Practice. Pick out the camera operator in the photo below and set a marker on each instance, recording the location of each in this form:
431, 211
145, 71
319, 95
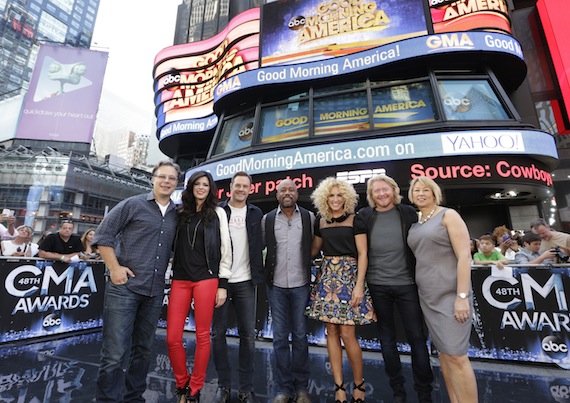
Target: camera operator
551, 238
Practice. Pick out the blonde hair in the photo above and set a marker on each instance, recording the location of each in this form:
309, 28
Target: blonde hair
430, 183
321, 193
389, 181
28, 229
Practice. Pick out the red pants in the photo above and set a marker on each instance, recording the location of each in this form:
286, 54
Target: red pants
181, 294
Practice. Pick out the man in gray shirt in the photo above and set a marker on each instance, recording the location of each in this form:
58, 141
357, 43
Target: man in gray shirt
390, 277
288, 233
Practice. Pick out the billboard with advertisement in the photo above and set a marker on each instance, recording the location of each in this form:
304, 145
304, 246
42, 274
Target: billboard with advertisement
185, 75
467, 15
63, 97
294, 32
521, 314
44, 298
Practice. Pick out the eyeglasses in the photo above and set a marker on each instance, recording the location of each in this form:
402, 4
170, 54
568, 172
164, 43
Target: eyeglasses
164, 177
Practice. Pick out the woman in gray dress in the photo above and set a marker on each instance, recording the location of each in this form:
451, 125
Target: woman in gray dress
440, 242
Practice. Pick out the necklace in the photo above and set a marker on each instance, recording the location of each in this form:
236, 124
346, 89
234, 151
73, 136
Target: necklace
421, 221
338, 219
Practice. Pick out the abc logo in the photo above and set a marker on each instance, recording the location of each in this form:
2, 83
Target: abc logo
246, 133
51, 322
452, 101
170, 79
554, 347
297, 22
560, 390
457, 104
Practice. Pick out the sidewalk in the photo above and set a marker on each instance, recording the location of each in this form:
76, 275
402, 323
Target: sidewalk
65, 370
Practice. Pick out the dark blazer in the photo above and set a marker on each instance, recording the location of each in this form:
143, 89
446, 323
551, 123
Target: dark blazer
253, 224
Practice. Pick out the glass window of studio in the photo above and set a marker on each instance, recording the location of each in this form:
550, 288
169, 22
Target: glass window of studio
285, 122
341, 114
470, 100
402, 105
338, 88
235, 133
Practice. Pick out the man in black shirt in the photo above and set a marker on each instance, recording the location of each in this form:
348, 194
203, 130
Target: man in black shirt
63, 245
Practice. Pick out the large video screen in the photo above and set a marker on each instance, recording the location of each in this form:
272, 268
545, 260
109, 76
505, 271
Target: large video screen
294, 32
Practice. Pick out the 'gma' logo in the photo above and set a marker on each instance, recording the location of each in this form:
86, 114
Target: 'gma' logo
449, 41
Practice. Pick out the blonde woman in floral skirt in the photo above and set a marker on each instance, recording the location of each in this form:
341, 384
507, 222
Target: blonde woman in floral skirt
340, 297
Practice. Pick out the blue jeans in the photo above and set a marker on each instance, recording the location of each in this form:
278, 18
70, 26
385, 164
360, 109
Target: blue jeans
242, 297
129, 326
288, 316
405, 297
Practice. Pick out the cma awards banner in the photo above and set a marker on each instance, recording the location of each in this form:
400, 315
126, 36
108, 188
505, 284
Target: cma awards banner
45, 298
521, 314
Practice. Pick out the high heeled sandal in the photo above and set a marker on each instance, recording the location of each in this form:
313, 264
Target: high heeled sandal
361, 388
193, 398
182, 394
336, 389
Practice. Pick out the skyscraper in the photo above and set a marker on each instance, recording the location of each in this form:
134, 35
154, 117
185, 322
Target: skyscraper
26, 24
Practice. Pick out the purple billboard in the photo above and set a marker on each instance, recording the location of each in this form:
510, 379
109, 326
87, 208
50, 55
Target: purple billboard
63, 97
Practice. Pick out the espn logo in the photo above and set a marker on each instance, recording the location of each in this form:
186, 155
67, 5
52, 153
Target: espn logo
360, 176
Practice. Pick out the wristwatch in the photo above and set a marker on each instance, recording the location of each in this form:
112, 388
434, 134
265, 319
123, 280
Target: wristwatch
462, 295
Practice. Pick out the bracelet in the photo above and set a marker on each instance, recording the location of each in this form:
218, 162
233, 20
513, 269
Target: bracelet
62, 258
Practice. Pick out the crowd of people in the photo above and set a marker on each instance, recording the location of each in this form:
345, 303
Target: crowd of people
539, 244
385, 260
63, 245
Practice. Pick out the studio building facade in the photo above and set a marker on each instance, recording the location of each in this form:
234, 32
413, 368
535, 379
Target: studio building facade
352, 88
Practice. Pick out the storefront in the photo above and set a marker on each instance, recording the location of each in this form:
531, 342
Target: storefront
347, 89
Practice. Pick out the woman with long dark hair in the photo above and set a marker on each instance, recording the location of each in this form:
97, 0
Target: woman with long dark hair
201, 268
89, 252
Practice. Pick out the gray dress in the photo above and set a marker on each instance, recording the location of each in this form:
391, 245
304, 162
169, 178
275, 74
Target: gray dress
436, 278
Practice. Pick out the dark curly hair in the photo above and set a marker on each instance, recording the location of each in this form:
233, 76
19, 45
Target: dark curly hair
188, 208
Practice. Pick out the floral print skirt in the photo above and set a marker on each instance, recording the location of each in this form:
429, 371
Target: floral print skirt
331, 293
